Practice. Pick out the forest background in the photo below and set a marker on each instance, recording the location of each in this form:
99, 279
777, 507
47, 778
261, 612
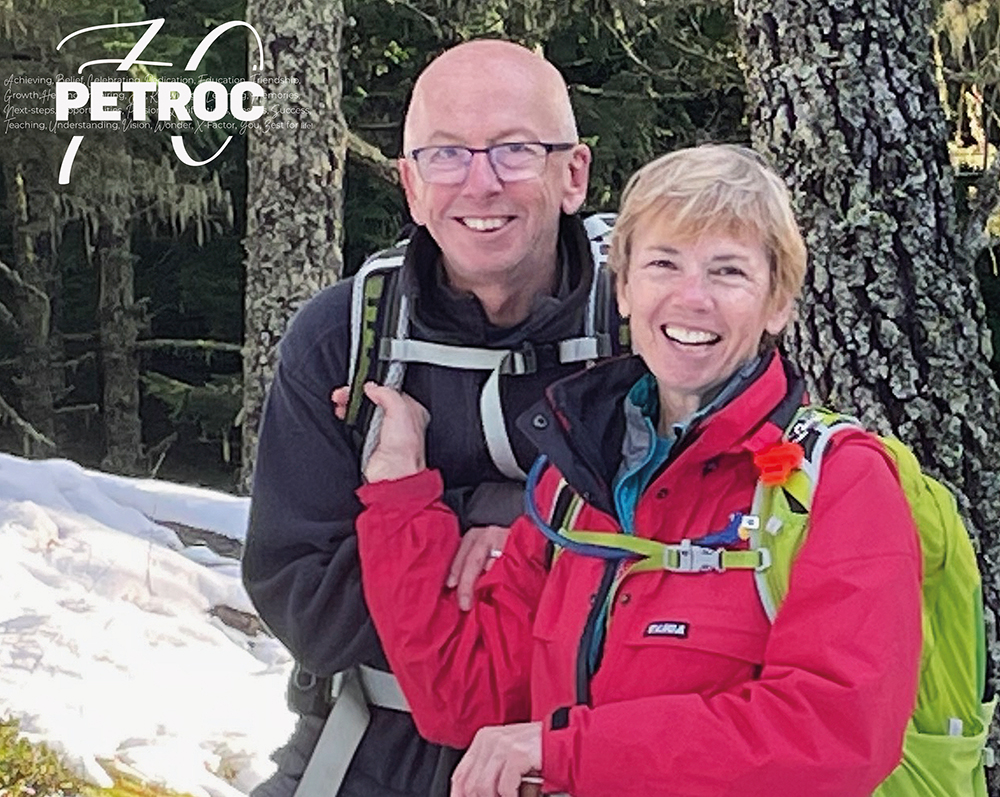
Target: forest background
140, 303
645, 77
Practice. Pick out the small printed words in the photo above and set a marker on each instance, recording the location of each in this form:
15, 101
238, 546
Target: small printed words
172, 100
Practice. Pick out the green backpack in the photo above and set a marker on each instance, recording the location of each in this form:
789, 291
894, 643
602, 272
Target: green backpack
944, 749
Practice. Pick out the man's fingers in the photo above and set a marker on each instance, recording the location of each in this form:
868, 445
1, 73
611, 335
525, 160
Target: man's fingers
398, 407
471, 570
458, 563
478, 551
385, 397
340, 398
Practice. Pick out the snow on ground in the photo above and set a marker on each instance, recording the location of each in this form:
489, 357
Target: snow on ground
107, 647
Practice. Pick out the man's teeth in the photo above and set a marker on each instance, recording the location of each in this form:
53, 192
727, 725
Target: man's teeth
483, 225
692, 336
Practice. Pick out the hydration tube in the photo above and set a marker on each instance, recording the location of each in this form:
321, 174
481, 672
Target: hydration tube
554, 536
736, 529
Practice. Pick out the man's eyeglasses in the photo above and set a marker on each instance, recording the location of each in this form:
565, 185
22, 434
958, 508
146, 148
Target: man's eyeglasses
511, 160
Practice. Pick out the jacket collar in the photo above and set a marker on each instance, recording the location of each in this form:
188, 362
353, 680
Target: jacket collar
580, 423
440, 313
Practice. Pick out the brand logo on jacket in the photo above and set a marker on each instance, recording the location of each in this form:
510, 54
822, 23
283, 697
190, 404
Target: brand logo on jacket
667, 628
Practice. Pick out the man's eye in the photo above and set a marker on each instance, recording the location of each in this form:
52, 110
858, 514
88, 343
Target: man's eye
446, 154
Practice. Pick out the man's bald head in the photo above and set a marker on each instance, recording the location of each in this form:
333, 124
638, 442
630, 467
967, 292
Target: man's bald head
498, 232
479, 73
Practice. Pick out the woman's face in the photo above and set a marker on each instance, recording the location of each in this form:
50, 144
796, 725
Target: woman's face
697, 309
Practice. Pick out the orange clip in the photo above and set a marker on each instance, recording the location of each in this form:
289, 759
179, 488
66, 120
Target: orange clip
777, 462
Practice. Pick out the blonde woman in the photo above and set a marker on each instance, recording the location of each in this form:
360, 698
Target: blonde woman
610, 682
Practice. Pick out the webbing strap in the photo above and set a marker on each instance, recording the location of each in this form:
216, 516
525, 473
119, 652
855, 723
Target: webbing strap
575, 350
495, 430
683, 557
382, 689
466, 357
408, 350
337, 743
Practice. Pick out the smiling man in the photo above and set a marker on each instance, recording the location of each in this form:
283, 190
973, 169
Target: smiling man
499, 271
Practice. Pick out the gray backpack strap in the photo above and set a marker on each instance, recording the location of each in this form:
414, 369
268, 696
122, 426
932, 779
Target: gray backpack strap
338, 740
495, 429
598, 228
354, 691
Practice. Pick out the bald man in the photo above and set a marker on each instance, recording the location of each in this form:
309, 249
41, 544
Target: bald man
493, 173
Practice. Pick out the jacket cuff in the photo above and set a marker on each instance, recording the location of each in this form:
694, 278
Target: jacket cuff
558, 736
421, 488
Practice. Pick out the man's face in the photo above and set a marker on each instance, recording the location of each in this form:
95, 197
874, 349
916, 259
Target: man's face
490, 231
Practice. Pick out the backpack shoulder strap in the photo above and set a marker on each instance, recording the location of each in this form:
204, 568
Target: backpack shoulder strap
784, 509
603, 333
375, 313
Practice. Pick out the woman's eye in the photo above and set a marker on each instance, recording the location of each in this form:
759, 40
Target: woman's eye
730, 271
668, 264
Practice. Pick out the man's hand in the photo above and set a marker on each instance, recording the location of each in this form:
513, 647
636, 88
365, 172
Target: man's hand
497, 759
400, 448
481, 546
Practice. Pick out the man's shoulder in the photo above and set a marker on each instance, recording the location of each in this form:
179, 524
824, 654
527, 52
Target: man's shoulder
318, 336
326, 313
321, 328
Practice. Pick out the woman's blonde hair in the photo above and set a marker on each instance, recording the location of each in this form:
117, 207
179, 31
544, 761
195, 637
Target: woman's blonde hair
710, 189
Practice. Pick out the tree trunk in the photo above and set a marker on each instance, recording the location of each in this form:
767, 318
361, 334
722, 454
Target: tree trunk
294, 202
40, 378
892, 325
119, 320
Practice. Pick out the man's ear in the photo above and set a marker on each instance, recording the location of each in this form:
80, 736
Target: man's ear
577, 176
410, 179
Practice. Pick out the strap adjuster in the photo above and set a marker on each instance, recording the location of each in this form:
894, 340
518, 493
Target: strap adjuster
694, 558
520, 362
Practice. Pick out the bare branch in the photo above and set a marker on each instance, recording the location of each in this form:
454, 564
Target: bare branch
176, 343
7, 317
432, 22
372, 155
14, 277
74, 408
7, 412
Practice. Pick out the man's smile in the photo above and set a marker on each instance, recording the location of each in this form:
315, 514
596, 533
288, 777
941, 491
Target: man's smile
484, 223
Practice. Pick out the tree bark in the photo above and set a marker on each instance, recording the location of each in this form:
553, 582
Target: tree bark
892, 326
40, 380
119, 323
294, 203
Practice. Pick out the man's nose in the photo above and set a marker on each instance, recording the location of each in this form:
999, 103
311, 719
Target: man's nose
482, 177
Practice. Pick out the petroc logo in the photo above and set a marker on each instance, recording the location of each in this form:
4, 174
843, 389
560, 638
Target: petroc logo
173, 100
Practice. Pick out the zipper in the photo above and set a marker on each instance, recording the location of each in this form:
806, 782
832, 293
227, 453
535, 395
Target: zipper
583, 673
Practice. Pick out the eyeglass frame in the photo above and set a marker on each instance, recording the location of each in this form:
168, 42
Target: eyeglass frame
549, 147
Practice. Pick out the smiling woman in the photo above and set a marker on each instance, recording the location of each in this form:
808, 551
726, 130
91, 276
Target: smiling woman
707, 270
641, 659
